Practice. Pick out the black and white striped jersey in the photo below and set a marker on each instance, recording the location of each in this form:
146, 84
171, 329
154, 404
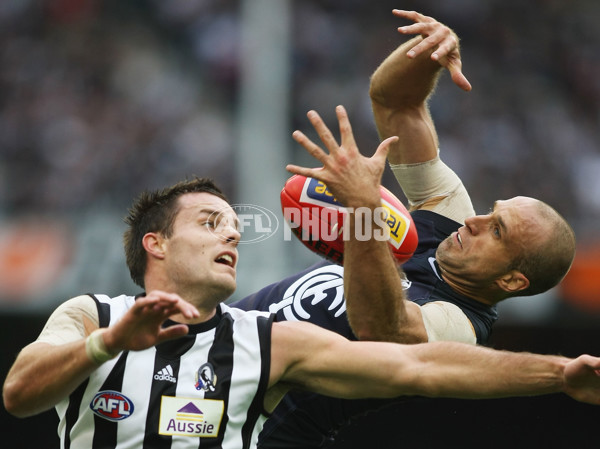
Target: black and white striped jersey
204, 390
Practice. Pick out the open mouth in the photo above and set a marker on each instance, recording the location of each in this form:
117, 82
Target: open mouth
225, 259
459, 238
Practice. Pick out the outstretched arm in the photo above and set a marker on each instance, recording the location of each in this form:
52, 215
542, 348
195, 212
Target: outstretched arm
312, 358
44, 374
376, 305
402, 84
400, 89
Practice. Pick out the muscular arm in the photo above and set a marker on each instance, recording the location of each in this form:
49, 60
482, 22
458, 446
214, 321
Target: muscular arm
400, 89
376, 304
377, 308
43, 373
307, 357
404, 81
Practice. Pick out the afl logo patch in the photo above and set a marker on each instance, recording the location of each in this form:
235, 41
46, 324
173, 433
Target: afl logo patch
111, 405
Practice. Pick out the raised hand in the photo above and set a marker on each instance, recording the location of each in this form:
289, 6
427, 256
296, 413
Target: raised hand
439, 38
142, 328
352, 178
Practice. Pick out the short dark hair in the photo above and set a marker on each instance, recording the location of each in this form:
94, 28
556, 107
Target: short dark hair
155, 211
546, 265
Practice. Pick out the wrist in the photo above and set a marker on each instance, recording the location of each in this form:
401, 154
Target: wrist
96, 349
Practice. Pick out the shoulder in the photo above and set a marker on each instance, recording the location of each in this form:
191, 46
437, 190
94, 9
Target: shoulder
445, 321
78, 305
72, 320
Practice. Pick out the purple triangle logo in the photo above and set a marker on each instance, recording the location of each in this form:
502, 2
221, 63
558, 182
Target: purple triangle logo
190, 408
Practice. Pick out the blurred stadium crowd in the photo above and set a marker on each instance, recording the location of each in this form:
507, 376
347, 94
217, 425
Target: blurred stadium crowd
100, 99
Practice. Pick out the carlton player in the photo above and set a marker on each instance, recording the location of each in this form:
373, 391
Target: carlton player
464, 263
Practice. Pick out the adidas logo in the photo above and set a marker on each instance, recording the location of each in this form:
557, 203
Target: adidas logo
165, 374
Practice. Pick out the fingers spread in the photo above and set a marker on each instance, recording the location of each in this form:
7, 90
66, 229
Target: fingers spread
323, 132
314, 150
345, 128
304, 171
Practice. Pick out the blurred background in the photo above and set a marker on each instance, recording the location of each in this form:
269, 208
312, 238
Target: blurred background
100, 100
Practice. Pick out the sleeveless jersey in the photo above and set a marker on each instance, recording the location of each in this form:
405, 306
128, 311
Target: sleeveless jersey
205, 389
305, 420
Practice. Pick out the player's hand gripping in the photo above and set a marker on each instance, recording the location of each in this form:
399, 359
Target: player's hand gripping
582, 379
439, 38
352, 178
141, 327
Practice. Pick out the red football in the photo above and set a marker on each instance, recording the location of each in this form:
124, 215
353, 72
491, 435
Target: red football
317, 219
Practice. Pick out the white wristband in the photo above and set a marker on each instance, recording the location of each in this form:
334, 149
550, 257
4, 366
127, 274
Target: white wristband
95, 348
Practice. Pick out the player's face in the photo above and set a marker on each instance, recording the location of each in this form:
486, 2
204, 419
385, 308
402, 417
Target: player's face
484, 248
202, 251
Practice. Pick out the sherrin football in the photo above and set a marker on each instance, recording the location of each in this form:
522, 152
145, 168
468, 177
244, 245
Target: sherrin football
317, 219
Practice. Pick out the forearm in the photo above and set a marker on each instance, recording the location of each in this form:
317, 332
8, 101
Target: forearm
399, 91
43, 375
401, 82
377, 308
472, 372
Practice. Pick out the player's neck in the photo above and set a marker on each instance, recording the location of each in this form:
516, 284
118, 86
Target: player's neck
475, 292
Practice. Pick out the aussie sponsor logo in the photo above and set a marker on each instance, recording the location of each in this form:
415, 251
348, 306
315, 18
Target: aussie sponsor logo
190, 417
112, 405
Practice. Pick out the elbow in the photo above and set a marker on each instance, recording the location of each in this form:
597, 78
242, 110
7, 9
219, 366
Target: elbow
365, 331
392, 334
373, 333
13, 399
11, 403
376, 93
366, 334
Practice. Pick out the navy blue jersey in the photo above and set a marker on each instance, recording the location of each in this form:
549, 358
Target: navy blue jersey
304, 420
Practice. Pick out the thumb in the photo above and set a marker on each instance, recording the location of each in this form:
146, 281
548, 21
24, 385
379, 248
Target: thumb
384, 148
171, 332
458, 77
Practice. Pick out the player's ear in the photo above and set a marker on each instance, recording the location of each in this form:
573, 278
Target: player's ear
154, 244
513, 281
